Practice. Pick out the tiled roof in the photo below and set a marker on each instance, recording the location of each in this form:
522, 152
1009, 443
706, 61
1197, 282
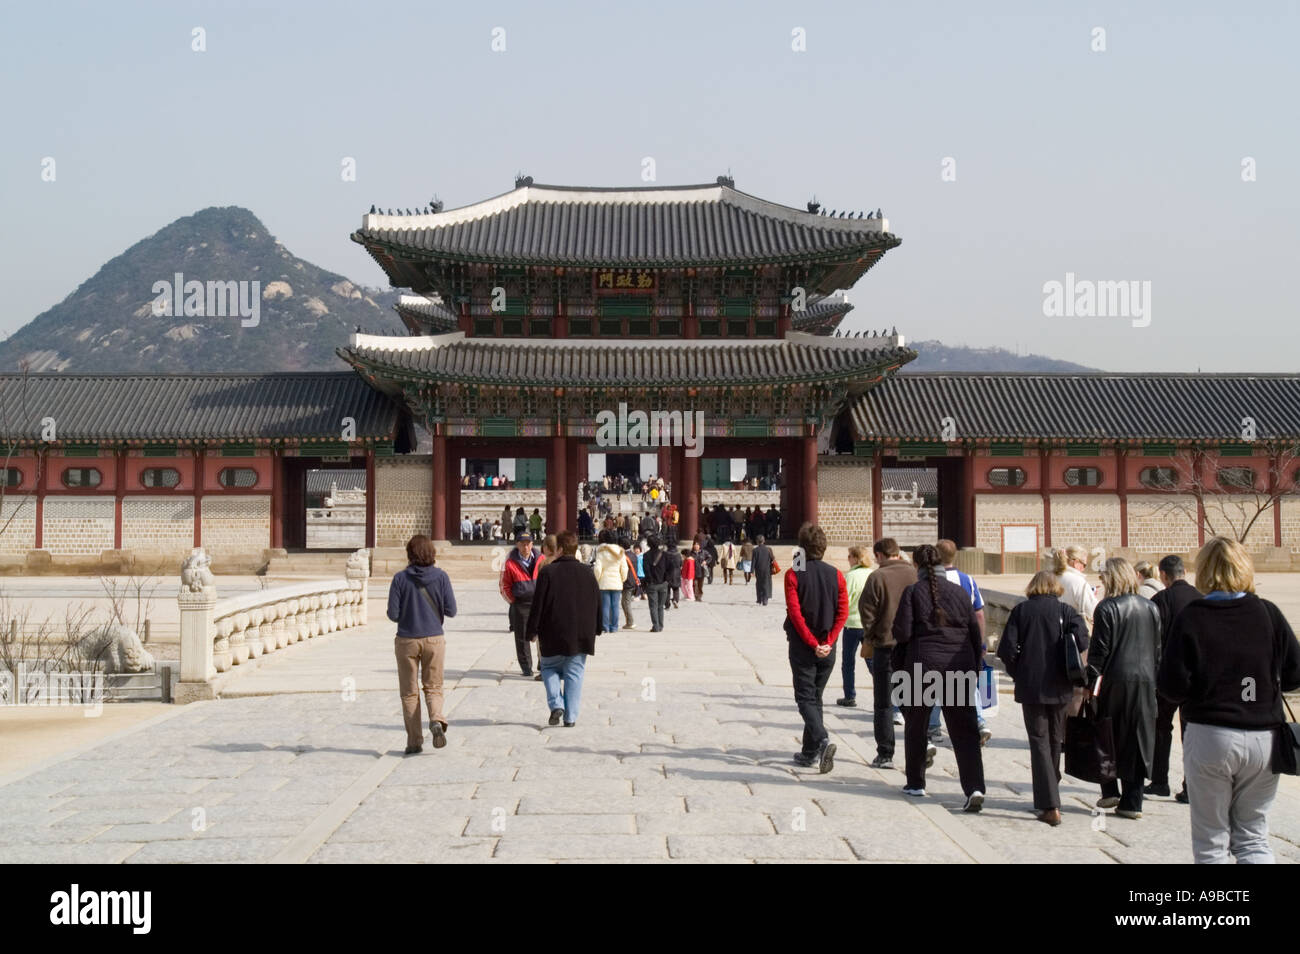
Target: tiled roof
1094, 407
821, 317
320, 481
189, 407
650, 227
422, 314
593, 363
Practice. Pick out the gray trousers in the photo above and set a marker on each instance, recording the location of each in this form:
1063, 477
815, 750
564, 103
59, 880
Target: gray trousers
1230, 788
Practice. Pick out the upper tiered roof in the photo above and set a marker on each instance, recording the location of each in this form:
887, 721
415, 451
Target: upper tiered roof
654, 227
635, 363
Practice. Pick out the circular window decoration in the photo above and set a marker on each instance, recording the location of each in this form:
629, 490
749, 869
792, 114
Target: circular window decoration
1007, 477
13, 477
1083, 477
1236, 478
160, 477
1158, 478
81, 477
237, 478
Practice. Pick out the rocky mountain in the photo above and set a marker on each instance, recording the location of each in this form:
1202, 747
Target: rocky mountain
215, 291
936, 356
242, 302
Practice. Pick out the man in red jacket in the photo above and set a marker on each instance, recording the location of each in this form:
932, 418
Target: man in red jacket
817, 607
518, 583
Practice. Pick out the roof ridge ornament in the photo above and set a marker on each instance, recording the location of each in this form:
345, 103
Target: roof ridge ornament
727, 180
522, 180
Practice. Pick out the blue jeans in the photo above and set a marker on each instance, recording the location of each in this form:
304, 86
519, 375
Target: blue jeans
852, 639
570, 670
609, 604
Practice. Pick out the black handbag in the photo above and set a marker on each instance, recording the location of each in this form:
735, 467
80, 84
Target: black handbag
1286, 751
1090, 746
1076, 673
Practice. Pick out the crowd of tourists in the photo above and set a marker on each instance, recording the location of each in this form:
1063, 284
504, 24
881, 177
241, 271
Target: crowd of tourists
1132, 650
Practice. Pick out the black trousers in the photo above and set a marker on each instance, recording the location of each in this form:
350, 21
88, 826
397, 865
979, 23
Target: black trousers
963, 730
658, 596
518, 623
1131, 799
1046, 727
881, 664
1164, 739
810, 677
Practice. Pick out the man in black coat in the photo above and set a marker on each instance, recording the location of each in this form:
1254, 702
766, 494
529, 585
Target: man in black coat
1170, 601
565, 620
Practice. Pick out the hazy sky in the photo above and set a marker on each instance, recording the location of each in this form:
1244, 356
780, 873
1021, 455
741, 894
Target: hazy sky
1122, 164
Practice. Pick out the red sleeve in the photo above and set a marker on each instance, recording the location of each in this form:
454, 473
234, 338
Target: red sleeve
505, 583
793, 611
841, 609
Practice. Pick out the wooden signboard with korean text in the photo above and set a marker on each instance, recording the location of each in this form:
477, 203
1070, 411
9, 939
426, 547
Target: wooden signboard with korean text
616, 280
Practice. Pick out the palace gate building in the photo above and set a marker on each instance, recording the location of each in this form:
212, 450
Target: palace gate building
533, 312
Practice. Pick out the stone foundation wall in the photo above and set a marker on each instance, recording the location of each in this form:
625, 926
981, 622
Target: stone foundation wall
844, 500
402, 499
1162, 523
993, 510
78, 525
163, 524
235, 526
1090, 520
18, 517
1290, 523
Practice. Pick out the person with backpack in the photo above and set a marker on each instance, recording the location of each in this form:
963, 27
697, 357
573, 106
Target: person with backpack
520, 522
630, 586
420, 597
518, 583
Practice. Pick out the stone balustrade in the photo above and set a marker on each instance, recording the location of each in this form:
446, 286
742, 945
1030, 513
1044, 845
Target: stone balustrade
218, 634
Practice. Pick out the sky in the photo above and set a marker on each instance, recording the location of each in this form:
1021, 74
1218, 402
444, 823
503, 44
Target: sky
1009, 144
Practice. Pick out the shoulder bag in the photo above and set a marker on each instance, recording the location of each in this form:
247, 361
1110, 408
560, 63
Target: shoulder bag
1076, 673
1286, 741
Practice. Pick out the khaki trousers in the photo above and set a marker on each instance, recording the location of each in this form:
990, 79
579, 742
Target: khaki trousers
419, 667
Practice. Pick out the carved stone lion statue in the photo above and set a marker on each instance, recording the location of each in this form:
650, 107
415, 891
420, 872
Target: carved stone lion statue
196, 573
117, 648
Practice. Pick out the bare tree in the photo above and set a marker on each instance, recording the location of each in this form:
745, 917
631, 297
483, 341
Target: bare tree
1231, 499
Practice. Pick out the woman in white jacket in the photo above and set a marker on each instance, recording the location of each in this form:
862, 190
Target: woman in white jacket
1069, 565
611, 570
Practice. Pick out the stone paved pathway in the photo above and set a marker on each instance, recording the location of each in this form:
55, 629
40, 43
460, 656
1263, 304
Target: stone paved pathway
682, 753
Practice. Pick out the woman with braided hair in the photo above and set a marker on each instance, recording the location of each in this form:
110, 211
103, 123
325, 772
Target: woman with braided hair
937, 660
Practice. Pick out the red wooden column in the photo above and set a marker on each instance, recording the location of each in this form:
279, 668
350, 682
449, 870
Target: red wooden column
1045, 489
576, 471
968, 464
557, 486
1199, 470
438, 492
877, 496
371, 492
808, 476
119, 485
453, 490
687, 473
42, 481
200, 465
1275, 477
277, 499
1121, 482
665, 464
792, 501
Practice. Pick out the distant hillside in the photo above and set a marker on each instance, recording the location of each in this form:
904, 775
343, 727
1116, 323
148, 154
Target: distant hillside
936, 356
108, 324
